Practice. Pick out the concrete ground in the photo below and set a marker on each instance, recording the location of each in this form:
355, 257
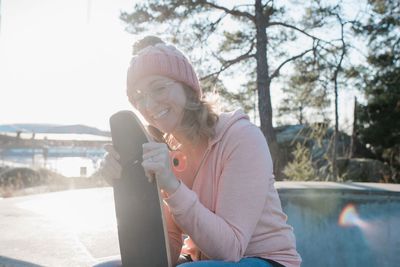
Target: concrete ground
69, 228
78, 227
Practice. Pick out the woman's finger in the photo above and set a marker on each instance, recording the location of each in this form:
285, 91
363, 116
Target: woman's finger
152, 169
149, 174
153, 146
111, 150
152, 153
110, 167
113, 163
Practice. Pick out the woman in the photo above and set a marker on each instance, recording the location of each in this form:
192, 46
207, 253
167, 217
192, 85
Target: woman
224, 200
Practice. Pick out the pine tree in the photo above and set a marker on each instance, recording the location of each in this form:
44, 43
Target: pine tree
304, 93
252, 40
379, 120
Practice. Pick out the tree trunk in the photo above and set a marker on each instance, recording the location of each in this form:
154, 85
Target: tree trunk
264, 86
336, 73
335, 135
354, 132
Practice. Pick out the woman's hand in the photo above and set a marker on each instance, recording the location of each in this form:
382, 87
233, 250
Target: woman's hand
110, 167
156, 163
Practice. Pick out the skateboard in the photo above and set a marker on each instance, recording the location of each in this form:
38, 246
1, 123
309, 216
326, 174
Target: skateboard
142, 234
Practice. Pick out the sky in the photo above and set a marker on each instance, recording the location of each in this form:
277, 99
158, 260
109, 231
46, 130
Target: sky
65, 61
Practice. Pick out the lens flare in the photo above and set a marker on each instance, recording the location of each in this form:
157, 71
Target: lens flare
178, 161
350, 217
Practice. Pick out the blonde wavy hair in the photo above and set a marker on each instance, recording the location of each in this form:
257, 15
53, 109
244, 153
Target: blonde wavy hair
199, 120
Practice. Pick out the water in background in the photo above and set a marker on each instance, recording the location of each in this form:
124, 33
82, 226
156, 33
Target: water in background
68, 161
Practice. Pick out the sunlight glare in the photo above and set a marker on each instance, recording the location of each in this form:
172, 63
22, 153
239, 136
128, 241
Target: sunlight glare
78, 210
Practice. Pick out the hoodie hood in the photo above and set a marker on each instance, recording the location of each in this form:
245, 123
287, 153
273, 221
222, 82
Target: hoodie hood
225, 121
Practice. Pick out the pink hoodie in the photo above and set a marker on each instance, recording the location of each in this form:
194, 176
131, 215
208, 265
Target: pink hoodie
233, 209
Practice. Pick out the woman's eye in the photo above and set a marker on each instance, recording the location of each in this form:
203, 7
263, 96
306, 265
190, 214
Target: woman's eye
138, 98
157, 91
160, 89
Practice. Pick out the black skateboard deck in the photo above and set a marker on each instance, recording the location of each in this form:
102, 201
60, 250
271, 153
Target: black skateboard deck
142, 234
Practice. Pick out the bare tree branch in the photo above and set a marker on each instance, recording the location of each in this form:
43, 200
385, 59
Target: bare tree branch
212, 27
244, 5
227, 65
227, 10
277, 70
294, 28
267, 3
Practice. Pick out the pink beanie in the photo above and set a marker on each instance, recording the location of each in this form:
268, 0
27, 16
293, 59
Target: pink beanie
165, 60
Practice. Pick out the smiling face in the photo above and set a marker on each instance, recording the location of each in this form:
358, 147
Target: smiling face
161, 101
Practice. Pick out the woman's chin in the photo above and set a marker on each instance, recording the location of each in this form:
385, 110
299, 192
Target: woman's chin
166, 126
163, 128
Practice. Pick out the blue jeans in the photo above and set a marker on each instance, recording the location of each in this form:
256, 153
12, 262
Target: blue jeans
245, 262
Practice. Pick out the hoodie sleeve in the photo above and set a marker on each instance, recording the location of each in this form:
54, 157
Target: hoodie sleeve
174, 235
241, 197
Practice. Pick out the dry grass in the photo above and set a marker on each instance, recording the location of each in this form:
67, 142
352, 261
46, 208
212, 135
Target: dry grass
25, 181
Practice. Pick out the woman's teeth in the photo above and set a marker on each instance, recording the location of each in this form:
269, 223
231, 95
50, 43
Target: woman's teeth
160, 114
